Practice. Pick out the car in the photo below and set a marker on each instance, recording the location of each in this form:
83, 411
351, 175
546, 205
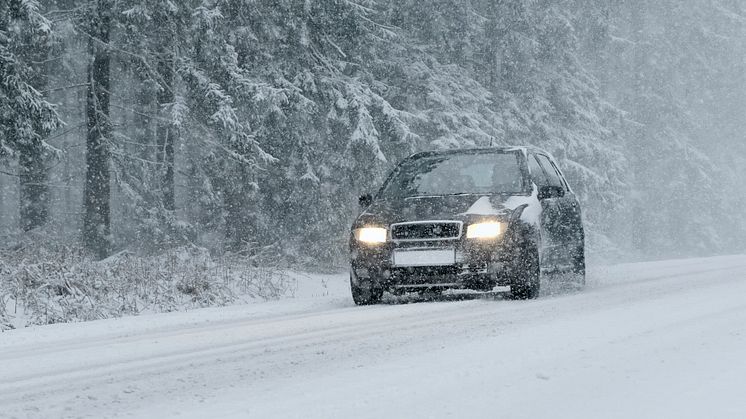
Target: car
467, 219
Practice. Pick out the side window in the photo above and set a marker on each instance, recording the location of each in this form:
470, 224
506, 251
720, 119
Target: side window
561, 176
537, 173
553, 176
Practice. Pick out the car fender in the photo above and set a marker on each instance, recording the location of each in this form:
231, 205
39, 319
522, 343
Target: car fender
522, 230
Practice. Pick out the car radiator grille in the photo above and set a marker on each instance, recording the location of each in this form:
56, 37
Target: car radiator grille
426, 230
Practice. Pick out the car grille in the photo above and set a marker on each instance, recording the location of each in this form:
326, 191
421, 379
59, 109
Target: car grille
426, 230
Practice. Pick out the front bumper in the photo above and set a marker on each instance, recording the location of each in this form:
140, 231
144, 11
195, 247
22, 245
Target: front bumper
479, 265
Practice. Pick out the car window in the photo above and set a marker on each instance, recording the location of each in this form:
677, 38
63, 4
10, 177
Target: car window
537, 173
561, 176
552, 175
457, 173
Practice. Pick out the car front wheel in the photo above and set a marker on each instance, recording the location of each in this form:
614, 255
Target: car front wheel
526, 282
364, 293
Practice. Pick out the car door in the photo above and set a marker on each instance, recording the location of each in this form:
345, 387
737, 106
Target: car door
569, 224
551, 216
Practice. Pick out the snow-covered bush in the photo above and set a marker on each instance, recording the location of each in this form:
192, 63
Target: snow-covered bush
43, 284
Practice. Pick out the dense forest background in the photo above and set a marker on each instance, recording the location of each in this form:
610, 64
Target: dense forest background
250, 127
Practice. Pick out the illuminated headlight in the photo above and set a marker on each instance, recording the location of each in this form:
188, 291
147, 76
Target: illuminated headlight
489, 230
371, 235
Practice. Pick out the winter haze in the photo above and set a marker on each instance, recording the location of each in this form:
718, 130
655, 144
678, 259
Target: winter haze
205, 157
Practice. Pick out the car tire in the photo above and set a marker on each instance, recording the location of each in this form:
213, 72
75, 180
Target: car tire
364, 294
526, 283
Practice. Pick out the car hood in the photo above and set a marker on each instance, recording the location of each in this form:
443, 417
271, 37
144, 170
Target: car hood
449, 207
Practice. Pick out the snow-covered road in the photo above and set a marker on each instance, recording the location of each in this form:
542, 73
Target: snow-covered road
650, 340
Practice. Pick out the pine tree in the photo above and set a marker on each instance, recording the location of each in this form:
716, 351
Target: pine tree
664, 55
159, 30
33, 156
96, 221
26, 118
254, 124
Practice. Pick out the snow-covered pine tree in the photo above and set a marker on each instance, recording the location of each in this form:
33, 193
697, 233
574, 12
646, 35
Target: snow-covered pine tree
516, 79
664, 56
26, 117
220, 95
294, 77
337, 92
145, 162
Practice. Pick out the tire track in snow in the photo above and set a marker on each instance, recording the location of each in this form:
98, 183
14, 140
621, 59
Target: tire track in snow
268, 338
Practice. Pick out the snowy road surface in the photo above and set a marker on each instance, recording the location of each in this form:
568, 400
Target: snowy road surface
651, 340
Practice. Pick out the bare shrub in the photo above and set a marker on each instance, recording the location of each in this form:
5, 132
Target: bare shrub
53, 284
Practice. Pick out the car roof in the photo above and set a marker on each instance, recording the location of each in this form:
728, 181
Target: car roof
525, 150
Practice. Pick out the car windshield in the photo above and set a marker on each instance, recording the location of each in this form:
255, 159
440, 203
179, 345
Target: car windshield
457, 174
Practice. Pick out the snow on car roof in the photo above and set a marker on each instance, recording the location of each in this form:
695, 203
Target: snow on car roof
497, 149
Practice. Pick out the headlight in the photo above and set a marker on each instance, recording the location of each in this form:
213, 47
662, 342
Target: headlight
488, 230
371, 235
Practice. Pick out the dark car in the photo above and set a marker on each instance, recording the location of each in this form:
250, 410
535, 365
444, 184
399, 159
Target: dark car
467, 219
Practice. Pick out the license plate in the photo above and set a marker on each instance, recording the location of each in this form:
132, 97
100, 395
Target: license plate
424, 257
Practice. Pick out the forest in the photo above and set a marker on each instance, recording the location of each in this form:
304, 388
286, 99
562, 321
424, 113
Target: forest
250, 127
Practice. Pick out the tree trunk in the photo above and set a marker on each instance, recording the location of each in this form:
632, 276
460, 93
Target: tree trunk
166, 130
494, 48
239, 221
96, 223
34, 193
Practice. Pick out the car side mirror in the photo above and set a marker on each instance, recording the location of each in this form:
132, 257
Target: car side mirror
550, 191
365, 200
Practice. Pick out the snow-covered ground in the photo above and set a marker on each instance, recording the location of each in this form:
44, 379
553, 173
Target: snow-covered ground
649, 340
